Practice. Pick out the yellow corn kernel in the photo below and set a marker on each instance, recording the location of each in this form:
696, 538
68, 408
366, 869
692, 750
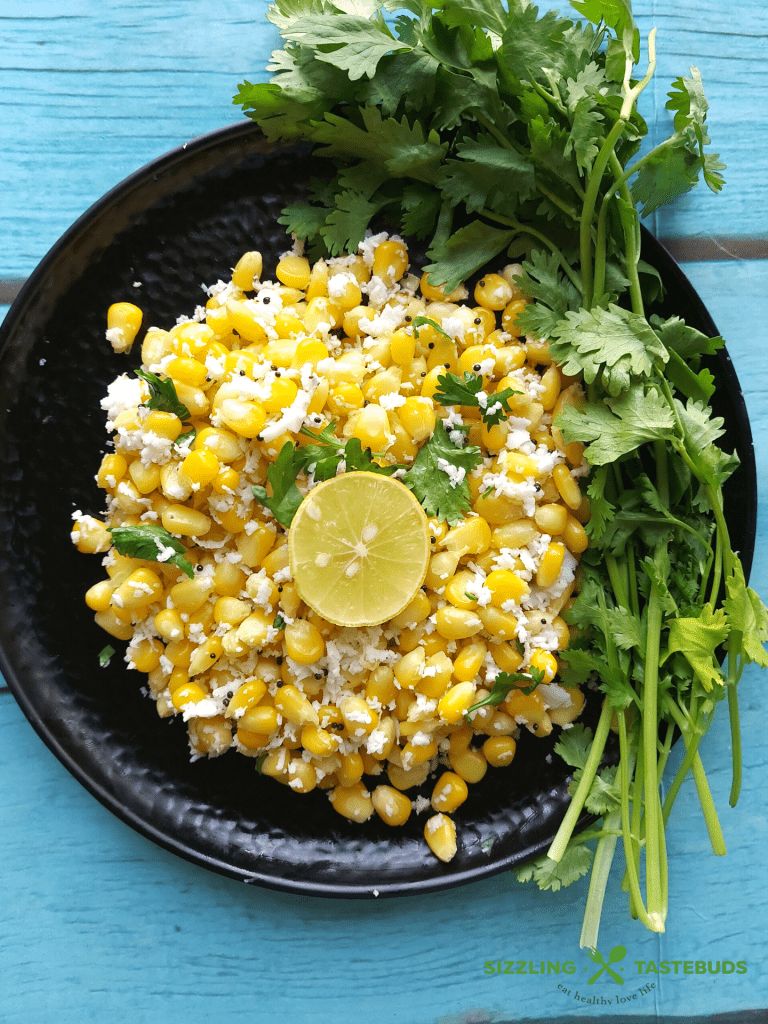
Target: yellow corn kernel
469, 764
260, 718
351, 770
90, 536
244, 418
575, 536
247, 270
145, 478
550, 565
453, 706
567, 486
435, 293
545, 662
437, 672
353, 802
276, 763
99, 596
294, 706
189, 693
304, 642
301, 776
206, 655
499, 750
517, 534
201, 466
246, 696
565, 715
510, 314
418, 417
507, 657
179, 649
359, 718
529, 708
420, 749
497, 509
209, 736
457, 623
186, 370
402, 347
321, 312
416, 611
372, 427
145, 656
318, 741
407, 668
381, 685
500, 625
551, 519
223, 443
538, 351
493, 292
226, 481
173, 483
254, 630
442, 566
169, 624
142, 588
288, 325
282, 393
440, 834
470, 537
256, 545
108, 621
293, 271
111, 471
186, 521
390, 261
504, 585
242, 318
392, 806
469, 660
449, 793
460, 590
123, 324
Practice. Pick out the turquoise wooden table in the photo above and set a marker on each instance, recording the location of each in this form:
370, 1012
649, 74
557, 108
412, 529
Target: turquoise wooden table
98, 924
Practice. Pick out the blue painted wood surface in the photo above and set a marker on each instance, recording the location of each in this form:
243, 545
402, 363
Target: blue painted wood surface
98, 924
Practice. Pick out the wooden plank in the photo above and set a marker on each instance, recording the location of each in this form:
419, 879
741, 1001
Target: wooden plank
92, 94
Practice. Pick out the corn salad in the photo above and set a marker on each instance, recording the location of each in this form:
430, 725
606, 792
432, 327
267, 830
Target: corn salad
368, 714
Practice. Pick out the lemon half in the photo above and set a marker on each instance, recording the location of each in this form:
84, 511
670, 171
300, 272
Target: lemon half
359, 548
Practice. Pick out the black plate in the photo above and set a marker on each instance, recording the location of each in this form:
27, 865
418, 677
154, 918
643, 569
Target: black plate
181, 221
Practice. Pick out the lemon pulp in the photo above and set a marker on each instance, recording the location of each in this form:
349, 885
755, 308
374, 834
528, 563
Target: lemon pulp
359, 548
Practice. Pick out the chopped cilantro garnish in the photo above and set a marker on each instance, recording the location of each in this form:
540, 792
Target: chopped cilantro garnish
162, 395
430, 482
105, 655
152, 542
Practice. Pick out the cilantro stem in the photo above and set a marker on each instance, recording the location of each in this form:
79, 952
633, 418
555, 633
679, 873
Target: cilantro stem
650, 727
630, 836
692, 734
560, 842
588, 212
598, 882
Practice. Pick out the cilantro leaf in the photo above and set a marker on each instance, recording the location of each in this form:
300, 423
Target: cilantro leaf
163, 395
344, 227
506, 681
431, 483
618, 426
748, 616
616, 14
279, 622
152, 542
404, 150
349, 41
612, 344
555, 875
453, 390
487, 175
698, 639
573, 745
457, 258
286, 496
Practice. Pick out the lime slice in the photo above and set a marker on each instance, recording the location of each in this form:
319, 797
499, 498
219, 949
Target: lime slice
359, 548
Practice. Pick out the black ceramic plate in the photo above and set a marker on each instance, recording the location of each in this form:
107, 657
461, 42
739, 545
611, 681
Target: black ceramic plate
184, 220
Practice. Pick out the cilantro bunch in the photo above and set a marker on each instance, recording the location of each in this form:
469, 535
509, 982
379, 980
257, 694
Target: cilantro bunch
489, 132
